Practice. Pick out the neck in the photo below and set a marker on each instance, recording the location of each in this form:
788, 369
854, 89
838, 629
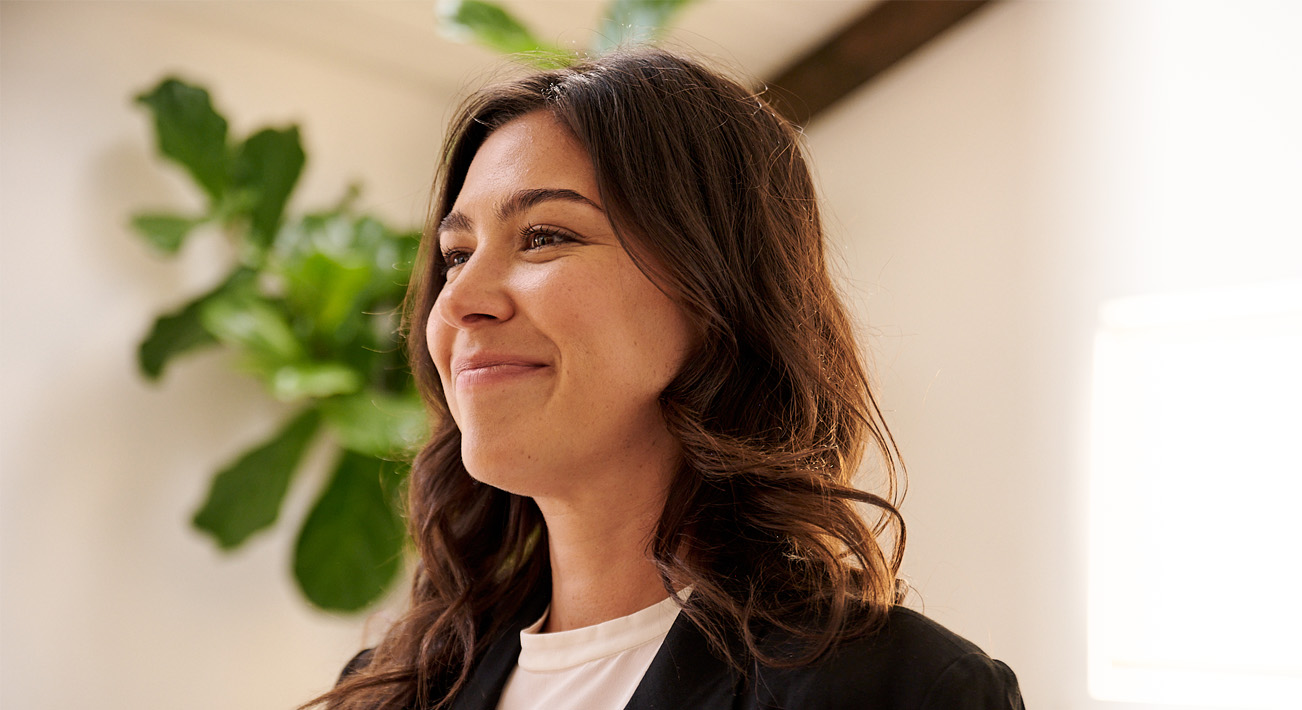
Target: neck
600, 557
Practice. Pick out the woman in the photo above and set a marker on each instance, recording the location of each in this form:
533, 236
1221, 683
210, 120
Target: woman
650, 407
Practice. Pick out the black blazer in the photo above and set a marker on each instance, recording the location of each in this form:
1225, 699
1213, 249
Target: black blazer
912, 663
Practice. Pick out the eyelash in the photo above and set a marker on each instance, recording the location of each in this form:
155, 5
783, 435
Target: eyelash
527, 237
533, 231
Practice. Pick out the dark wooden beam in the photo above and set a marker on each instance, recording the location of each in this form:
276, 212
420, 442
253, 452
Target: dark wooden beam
884, 34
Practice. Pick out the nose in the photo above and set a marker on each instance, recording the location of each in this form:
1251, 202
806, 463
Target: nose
475, 294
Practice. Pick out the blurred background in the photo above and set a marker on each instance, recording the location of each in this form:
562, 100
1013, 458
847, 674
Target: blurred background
1070, 228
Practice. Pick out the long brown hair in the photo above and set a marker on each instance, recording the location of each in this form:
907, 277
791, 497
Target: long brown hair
709, 192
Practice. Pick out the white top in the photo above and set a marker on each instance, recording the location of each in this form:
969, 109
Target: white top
593, 668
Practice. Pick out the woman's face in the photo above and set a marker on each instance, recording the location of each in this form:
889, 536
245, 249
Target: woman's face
552, 346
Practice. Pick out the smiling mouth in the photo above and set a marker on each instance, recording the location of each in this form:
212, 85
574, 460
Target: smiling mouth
496, 373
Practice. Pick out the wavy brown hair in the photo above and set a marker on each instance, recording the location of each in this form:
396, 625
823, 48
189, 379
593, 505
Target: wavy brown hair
709, 192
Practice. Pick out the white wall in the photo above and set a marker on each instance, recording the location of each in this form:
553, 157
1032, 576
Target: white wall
109, 599
991, 193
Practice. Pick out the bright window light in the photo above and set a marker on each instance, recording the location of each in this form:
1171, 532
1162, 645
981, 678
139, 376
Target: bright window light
1196, 499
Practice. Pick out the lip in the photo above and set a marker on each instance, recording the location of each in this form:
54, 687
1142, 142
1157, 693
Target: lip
487, 368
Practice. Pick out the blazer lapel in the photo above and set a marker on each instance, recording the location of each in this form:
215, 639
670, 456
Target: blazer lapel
484, 686
488, 678
685, 674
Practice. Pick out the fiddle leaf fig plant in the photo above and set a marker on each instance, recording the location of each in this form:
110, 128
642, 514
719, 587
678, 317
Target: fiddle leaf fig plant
624, 22
309, 308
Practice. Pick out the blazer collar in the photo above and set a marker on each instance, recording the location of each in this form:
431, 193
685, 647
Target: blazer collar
685, 673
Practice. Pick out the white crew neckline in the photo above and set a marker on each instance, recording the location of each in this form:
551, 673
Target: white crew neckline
559, 650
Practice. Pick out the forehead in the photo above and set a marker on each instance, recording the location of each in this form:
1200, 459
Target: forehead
529, 152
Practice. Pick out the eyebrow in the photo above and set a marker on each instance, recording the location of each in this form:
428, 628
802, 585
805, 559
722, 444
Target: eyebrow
517, 203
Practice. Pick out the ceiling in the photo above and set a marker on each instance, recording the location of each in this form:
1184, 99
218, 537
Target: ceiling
401, 39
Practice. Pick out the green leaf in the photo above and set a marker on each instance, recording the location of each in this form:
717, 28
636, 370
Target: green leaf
245, 497
314, 379
629, 22
268, 165
246, 321
182, 330
490, 25
327, 288
165, 232
392, 256
350, 548
190, 132
378, 423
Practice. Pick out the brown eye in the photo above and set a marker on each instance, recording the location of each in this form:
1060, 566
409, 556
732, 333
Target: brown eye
454, 257
538, 237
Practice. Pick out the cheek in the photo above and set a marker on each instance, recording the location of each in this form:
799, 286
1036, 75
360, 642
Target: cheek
438, 339
662, 319
433, 341
669, 340
646, 334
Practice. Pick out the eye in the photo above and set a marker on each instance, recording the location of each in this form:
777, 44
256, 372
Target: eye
537, 237
454, 257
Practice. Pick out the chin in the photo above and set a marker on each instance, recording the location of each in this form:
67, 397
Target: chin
510, 471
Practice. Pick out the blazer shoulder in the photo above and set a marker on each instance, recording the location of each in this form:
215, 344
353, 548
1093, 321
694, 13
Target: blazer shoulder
909, 663
357, 663
921, 639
